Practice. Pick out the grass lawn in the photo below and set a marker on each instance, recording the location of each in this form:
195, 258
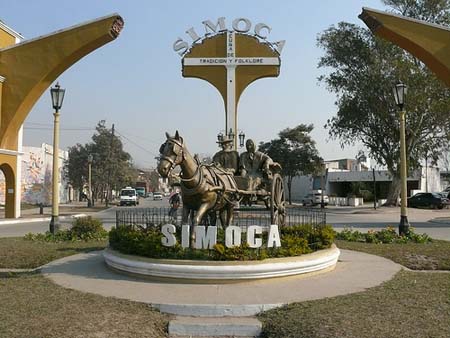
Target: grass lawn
34, 307
430, 256
413, 304
22, 254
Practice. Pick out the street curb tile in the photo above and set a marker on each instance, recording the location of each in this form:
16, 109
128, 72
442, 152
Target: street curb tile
40, 219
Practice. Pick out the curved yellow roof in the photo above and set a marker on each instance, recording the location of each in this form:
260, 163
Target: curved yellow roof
428, 42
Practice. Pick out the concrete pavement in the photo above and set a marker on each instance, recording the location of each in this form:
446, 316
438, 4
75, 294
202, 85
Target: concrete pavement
354, 272
227, 307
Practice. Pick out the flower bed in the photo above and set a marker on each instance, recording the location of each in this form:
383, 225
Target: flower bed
295, 241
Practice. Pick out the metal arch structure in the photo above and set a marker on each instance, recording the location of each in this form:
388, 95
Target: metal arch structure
27, 69
430, 43
231, 61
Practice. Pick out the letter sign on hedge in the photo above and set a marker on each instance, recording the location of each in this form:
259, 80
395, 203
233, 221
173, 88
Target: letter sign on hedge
168, 231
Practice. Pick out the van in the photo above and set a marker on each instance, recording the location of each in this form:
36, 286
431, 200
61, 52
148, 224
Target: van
315, 198
128, 196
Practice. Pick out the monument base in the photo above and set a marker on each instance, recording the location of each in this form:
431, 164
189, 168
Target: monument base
223, 271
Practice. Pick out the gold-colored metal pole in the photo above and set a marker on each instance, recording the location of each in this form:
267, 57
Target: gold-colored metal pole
90, 186
404, 225
54, 223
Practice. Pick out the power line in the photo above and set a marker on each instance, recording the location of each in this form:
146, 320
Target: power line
141, 137
49, 128
136, 144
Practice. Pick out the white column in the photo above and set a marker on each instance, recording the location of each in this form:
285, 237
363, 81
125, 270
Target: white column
18, 178
231, 87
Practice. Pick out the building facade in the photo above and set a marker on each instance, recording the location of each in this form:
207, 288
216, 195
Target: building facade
349, 177
36, 176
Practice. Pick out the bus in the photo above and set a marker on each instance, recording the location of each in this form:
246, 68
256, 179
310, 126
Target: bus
141, 191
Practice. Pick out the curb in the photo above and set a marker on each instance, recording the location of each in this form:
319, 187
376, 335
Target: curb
39, 219
440, 220
215, 327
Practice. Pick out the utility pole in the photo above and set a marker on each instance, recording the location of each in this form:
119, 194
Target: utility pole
374, 190
110, 164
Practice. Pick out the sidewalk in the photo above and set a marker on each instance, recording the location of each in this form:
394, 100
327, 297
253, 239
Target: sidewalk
74, 209
354, 272
363, 209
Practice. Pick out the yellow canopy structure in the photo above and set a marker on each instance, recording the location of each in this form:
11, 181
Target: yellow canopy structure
27, 69
428, 42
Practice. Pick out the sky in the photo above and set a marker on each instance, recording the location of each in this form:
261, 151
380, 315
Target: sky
135, 81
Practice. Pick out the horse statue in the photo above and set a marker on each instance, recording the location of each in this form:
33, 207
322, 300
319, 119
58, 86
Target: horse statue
204, 188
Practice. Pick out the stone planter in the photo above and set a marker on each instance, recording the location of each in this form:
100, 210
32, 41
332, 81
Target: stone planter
217, 271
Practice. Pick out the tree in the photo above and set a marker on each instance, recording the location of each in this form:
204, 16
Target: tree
296, 151
363, 72
75, 167
111, 166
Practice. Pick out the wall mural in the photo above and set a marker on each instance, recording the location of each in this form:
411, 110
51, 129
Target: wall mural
37, 176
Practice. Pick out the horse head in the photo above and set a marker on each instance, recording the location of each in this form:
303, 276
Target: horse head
171, 154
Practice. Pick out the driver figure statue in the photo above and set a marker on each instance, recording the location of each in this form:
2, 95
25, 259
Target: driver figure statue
227, 158
255, 165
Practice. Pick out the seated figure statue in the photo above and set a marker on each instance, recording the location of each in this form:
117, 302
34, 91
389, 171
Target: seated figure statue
255, 165
227, 158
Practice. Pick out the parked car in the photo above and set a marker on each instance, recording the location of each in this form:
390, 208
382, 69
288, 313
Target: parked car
428, 199
128, 196
315, 198
446, 192
157, 196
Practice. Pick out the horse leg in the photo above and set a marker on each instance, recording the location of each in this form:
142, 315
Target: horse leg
223, 218
197, 220
185, 216
212, 215
230, 213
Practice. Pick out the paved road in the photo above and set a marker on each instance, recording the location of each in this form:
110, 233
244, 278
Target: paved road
108, 217
432, 222
435, 223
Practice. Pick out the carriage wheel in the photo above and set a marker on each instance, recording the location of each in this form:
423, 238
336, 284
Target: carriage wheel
277, 202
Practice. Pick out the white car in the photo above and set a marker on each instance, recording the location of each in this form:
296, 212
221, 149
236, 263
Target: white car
315, 198
128, 196
157, 196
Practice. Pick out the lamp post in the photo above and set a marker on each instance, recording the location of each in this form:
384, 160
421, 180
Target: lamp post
231, 137
90, 159
400, 90
220, 137
57, 95
241, 139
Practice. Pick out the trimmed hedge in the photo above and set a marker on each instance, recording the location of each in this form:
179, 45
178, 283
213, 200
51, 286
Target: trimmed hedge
386, 236
295, 241
83, 229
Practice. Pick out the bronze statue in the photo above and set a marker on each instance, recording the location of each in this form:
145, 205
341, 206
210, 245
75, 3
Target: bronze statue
227, 158
255, 165
204, 188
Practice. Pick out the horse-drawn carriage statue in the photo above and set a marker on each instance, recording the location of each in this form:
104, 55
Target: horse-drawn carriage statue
209, 188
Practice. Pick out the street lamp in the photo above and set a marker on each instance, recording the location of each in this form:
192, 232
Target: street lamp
57, 95
90, 159
241, 139
400, 90
231, 134
220, 137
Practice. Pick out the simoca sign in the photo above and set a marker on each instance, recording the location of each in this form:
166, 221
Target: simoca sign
206, 237
239, 25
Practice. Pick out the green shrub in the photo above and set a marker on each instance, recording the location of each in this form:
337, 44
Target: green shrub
295, 241
59, 236
385, 236
83, 229
86, 228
